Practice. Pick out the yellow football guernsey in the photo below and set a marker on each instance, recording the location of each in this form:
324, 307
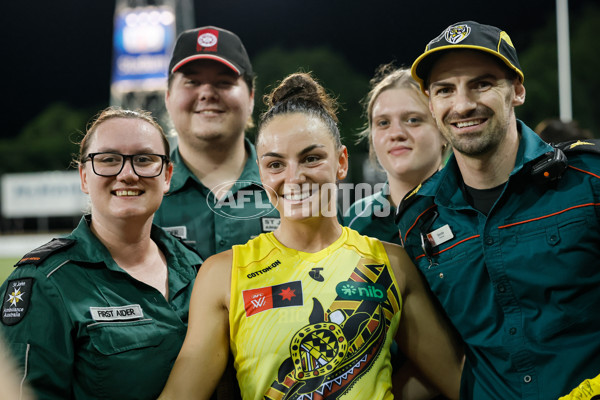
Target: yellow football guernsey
313, 325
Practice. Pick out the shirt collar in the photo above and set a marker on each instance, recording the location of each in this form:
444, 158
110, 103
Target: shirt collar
379, 198
90, 250
531, 147
444, 184
382, 196
182, 174
250, 172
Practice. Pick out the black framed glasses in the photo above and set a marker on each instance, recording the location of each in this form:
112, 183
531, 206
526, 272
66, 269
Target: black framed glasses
111, 164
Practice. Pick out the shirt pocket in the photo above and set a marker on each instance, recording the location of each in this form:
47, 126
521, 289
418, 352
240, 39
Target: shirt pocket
555, 279
123, 360
110, 338
451, 276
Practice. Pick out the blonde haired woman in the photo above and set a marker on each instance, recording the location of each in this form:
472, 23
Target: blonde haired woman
404, 140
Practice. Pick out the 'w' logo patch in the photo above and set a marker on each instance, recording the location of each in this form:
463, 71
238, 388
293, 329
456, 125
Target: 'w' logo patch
262, 299
260, 302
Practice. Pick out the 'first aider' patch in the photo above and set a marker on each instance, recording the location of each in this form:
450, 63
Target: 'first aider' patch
15, 302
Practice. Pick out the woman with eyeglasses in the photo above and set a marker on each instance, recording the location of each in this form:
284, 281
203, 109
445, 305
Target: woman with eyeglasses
102, 312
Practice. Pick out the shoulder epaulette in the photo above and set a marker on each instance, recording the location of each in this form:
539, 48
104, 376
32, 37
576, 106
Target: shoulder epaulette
585, 146
38, 255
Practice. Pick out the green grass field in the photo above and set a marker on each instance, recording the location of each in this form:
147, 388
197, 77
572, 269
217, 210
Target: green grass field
6, 267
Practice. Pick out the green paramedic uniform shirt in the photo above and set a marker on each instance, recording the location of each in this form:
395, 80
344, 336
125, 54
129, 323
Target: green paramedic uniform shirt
82, 328
191, 212
520, 284
374, 216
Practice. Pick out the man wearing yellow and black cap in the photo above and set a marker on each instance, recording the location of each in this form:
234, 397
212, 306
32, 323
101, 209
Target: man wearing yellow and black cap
508, 233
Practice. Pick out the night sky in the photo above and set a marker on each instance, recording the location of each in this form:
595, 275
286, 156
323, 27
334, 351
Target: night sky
61, 50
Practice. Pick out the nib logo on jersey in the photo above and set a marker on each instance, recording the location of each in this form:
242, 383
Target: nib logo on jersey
284, 295
361, 291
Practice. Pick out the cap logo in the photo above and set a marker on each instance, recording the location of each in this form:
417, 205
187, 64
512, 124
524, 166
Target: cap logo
207, 40
458, 33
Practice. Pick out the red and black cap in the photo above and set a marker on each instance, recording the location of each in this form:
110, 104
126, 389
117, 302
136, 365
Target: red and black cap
467, 35
211, 43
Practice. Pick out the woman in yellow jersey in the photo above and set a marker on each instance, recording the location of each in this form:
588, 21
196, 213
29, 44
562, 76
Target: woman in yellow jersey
310, 310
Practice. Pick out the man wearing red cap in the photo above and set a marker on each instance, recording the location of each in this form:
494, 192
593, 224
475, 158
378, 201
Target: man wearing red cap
216, 199
508, 233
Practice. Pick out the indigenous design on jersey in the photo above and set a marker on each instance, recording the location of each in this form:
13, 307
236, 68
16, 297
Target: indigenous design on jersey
313, 325
339, 345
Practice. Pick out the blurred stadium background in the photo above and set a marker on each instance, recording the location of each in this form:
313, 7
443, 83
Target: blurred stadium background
342, 42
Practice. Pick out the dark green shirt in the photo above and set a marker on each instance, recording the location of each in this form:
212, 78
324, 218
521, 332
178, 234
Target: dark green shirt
522, 283
82, 328
191, 212
374, 216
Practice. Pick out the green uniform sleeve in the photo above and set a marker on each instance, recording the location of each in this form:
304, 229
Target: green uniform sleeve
40, 339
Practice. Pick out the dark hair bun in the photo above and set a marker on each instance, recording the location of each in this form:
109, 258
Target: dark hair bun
301, 93
303, 88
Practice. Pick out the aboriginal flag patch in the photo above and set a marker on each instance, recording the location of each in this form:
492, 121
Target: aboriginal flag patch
15, 302
284, 295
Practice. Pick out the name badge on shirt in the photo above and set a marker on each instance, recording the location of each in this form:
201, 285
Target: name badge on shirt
269, 224
440, 235
123, 313
179, 231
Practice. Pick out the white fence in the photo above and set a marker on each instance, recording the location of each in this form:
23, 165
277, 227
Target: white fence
42, 194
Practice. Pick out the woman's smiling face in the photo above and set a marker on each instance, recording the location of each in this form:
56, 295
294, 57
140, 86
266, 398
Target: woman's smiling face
298, 159
126, 194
